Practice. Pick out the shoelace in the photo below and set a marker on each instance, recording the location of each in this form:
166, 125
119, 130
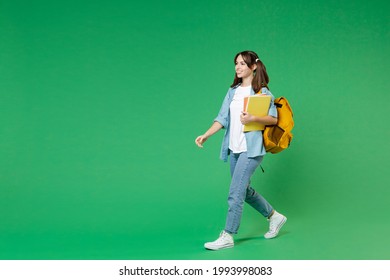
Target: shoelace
272, 225
222, 236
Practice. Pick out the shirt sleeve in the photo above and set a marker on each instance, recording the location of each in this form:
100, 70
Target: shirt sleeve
223, 115
272, 109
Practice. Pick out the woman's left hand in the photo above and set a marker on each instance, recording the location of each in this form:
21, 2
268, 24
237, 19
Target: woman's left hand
246, 118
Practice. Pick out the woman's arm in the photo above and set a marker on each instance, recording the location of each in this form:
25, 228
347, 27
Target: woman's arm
266, 120
215, 127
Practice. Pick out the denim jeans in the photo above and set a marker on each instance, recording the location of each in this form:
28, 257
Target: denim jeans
241, 169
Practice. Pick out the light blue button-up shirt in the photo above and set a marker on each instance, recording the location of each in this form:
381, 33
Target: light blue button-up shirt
254, 139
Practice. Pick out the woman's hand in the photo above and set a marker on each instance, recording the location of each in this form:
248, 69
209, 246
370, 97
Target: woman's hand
215, 127
200, 140
246, 118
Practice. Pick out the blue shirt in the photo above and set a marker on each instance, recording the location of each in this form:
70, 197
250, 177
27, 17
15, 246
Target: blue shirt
254, 139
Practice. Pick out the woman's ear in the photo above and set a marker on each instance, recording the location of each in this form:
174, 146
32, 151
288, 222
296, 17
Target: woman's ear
254, 67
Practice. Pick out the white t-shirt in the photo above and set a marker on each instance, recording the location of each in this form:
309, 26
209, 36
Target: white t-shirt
237, 142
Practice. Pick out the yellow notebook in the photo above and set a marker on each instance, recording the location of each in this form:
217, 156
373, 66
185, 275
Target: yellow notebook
256, 105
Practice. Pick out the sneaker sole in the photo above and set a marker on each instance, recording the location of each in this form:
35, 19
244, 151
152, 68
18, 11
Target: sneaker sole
218, 248
277, 229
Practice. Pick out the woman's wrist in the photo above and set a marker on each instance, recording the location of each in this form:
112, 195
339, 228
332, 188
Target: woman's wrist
266, 120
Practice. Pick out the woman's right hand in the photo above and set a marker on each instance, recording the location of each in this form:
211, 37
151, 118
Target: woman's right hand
200, 140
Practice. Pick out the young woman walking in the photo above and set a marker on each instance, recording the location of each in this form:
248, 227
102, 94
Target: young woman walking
246, 149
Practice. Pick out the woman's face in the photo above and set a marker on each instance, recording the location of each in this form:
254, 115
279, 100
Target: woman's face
242, 70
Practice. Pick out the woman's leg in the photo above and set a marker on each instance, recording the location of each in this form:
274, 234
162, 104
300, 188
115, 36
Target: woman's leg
242, 169
258, 202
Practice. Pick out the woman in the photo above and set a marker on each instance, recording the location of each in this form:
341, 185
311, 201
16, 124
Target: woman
246, 150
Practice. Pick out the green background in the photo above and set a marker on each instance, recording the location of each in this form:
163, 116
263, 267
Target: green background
101, 102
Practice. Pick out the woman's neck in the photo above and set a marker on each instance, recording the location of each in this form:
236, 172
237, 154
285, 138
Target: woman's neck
246, 81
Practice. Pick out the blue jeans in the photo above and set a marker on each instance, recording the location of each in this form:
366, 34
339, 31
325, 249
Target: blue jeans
241, 169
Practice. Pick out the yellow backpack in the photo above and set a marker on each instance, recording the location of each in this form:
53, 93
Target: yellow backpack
278, 137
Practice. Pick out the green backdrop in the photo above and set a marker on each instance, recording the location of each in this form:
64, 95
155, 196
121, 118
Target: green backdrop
101, 101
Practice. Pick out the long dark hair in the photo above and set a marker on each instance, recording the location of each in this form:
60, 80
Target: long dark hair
260, 78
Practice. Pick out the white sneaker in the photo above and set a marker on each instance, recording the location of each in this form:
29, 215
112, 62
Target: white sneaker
224, 241
276, 222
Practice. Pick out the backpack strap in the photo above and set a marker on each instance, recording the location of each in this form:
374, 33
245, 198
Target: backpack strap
262, 169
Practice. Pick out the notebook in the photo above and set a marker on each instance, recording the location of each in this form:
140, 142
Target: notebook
256, 105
